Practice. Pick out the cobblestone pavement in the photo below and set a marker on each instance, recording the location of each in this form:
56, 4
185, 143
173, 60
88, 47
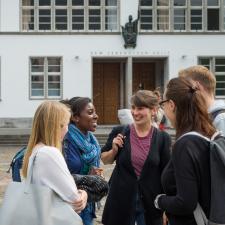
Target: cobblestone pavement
6, 154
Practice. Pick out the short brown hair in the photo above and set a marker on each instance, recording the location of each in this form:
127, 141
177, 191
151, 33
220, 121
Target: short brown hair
145, 98
201, 74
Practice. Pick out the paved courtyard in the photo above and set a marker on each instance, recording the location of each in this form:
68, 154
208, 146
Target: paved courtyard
6, 154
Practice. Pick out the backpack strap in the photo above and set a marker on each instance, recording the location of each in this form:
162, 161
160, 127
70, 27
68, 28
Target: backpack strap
194, 133
216, 113
200, 216
215, 135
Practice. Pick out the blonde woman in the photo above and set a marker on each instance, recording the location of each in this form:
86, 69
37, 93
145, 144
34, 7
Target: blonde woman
50, 125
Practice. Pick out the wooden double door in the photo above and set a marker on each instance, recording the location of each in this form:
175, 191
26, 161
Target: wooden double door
107, 87
106, 91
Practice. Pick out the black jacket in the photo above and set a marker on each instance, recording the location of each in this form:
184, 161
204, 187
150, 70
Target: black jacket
124, 186
186, 180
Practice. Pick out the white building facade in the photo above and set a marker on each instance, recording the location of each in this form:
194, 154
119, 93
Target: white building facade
56, 49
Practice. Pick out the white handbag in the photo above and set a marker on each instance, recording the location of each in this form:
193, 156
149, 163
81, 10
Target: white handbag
25, 204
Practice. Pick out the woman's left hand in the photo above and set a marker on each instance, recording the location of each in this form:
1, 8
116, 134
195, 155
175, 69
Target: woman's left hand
80, 204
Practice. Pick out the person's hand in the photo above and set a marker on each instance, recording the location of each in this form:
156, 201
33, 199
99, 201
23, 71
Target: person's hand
80, 204
165, 219
118, 141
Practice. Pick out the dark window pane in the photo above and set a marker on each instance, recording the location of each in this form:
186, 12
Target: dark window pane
61, 2
78, 19
61, 19
78, 12
179, 19
54, 85
196, 2
204, 61
213, 2
220, 85
37, 61
77, 2
220, 68
220, 78
146, 12
44, 19
220, 92
213, 19
37, 78
44, 2
146, 26
94, 2
28, 3
53, 69
94, 12
146, 2
179, 2
78, 26
220, 61
54, 61
111, 2
196, 19
146, 20
37, 65
93, 26
54, 78
45, 26
93, 19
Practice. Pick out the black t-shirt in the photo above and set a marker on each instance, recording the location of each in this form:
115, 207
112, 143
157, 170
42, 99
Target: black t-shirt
186, 180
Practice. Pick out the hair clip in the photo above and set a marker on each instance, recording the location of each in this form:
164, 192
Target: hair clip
192, 89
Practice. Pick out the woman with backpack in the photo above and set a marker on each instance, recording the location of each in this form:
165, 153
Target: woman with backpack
186, 179
141, 152
80, 147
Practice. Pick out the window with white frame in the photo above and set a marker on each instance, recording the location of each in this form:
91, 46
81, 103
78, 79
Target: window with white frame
213, 15
196, 15
180, 14
45, 77
146, 15
163, 14
28, 15
70, 15
217, 66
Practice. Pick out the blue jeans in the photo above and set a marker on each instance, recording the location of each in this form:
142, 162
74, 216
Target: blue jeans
88, 214
139, 217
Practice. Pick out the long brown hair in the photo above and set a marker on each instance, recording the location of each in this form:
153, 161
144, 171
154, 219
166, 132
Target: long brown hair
191, 110
48, 121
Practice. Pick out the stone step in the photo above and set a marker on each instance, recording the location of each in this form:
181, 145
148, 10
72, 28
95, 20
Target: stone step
22, 139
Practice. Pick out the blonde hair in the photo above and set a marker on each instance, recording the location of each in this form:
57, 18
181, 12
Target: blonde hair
48, 121
201, 74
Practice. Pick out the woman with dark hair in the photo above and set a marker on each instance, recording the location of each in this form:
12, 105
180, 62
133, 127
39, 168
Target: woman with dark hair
186, 179
141, 152
80, 147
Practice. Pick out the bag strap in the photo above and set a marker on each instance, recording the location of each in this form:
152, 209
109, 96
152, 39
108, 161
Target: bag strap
30, 170
217, 133
200, 216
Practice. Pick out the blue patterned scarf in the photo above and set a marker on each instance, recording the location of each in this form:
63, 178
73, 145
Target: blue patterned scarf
87, 144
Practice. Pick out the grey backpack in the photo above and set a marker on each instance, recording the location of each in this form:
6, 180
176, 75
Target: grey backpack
217, 170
